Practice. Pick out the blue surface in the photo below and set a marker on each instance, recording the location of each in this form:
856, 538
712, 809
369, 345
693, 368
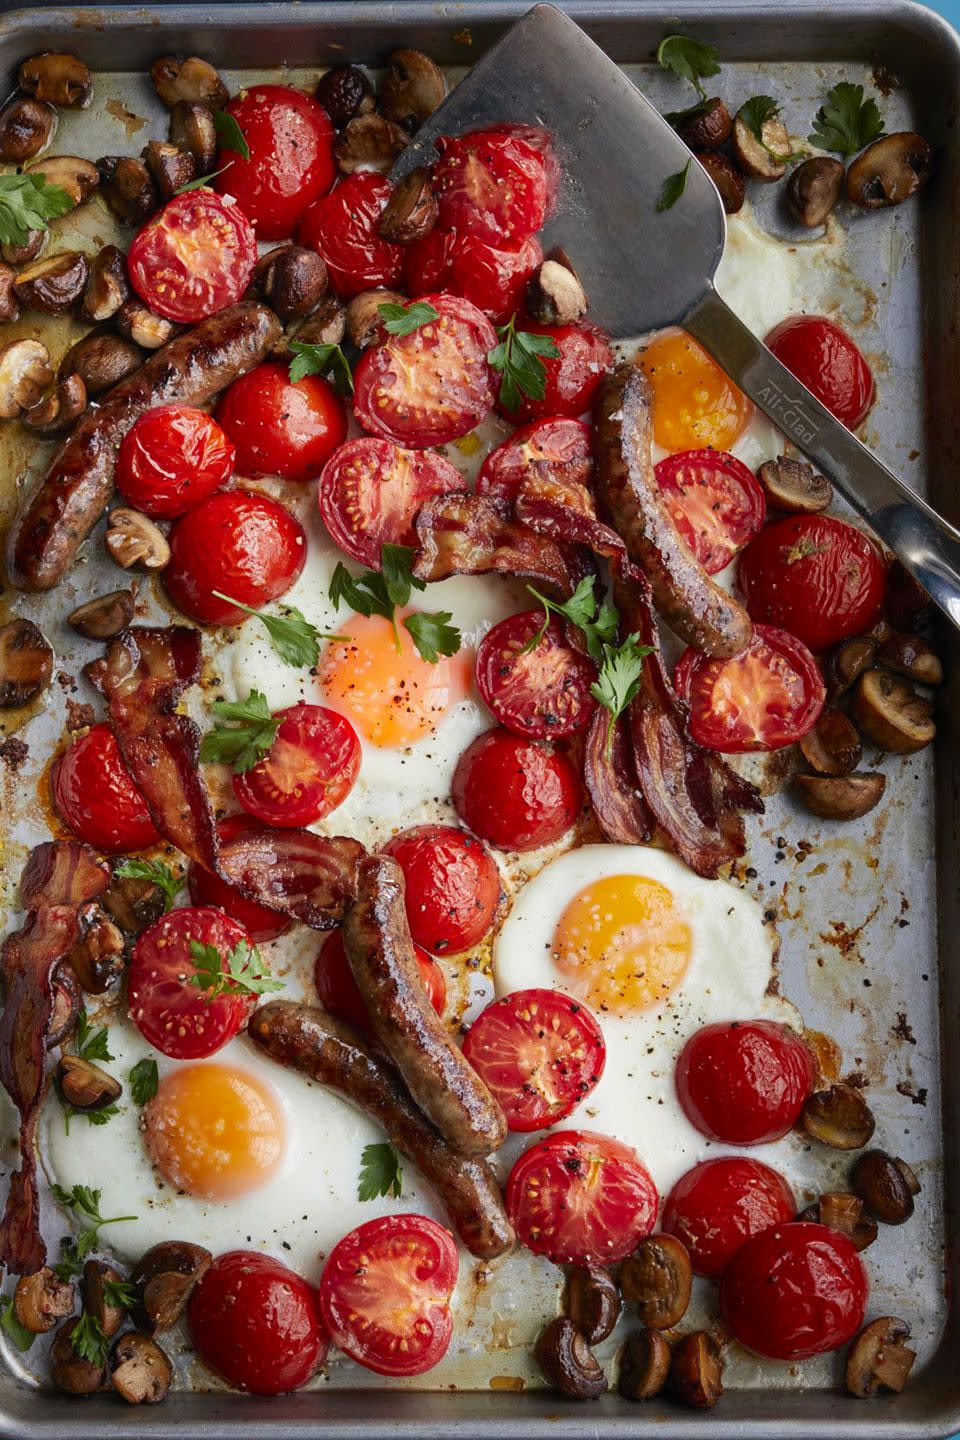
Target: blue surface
949, 8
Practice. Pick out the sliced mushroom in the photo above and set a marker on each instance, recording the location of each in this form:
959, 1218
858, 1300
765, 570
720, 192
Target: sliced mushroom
57, 78
766, 158
890, 170
568, 1363
164, 1279
126, 186
136, 322
326, 326
832, 747
879, 1357
102, 360
104, 617
727, 178
411, 211
709, 126
69, 1371
9, 305
885, 1185
658, 1277
140, 1370
134, 542
696, 1370
794, 486
411, 89
27, 250
133, 904
839, 1210
170, 167
84, 1085
93, 1294
912, 656
24, 375
814, 188
592, 1302
107, 287
841, 797
644, 1365
176, 78
66, 1007
192, 129
78, 177
345, 92
26, 663
59, 410
41, 1299
97, 959
847, 663
364, 321
555, 295
838, 1117
26, 126
370, 141
54, 284
291, 279
890, 713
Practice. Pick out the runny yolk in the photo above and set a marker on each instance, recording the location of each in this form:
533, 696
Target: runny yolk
621, 945
695, 405
214, 1131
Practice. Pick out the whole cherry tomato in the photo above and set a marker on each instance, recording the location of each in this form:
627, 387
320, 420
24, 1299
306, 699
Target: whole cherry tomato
452, 886
493, 277
171, 459
715, 1207
561, 444
538, 687
342, 228
496, 184
516, 794
571, 378
308, 771
206, 889
338, 990
744, 1082
291, 162
193, 257
828, 362
281, 426
95, 794
428, 263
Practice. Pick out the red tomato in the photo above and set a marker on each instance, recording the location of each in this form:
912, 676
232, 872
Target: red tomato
256, 1324
342, 228
291, 163
176, 1016
193, 257
280, 426
495, 184
720, 1203
493, 277
515, 794
538, 692
581, 1198
370, 492
385, 1294
95, 794
452, 886
308, 771
260, 922
572, 378
338, 991
814, 575
428, 263
432, 385
826, 360
744, 1082
768, 696
716, 503
244, 545
561, 444
171, 459
794, 1291
539, 1052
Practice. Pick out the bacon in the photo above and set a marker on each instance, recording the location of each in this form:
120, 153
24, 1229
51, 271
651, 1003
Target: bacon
468, 535
610, 780
62, 872
564, 510
309, 877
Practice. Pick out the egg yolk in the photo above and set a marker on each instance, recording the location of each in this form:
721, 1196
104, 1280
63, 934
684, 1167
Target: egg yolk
214, 1131
621, 945
695, 405
382, 684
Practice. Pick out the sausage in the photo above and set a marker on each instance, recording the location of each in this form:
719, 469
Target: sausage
692, 604
376, 937
307, 1039
190, 370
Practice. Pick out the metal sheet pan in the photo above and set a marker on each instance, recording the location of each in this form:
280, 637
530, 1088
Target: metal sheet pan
868, 918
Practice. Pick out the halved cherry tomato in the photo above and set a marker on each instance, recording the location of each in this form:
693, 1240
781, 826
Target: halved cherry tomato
370, 492
540, 1053
428, 263
246, 546
716, 503
342, 228
281, 426
171, 459
516, 794
432, 385
536, 689
260, 922
493, 277
338, 991
581, 1198
572, 378
768, 696
452, 886
814, 575
194, 257
96, 795
559, 443
828, 362
385, 1294
291, 162
744, 1082
715, 1207
308, 771
495, 184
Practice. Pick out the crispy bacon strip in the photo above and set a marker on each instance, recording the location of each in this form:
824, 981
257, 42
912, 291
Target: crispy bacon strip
310, 877
62, 872
468, 535
610, 780
564, 510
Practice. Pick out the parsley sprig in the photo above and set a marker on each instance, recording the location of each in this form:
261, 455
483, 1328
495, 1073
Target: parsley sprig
672, 188
92, 1045
328, 360
519, 358
295, 638
619, 679
119, 1293
27, 202
85, 1204
243, 744
404, 319
597, 621
380, 1173
845, 122
88, 1340
19, 1334
691, 59
202, 182
383, 592
230, 135
144, 1080
245, 972
755, 113
157, 873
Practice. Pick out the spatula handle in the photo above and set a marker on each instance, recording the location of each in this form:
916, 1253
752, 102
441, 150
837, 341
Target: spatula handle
927, 546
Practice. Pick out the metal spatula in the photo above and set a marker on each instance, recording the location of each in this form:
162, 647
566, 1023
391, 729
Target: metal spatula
642, 268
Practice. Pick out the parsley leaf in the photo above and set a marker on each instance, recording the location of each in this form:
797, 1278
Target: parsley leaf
88, 1340
692, 60
597, 622
433, 635
202, 182
295, 638
755, 113
845, 122
144, 1080
671, 189
91, 1044
19, 1334
244, 744
119, 1293
245, 972
27, 202
519, 359
157, 873
85, 1203
326, 360
677, 117
381, 593
619, 678
230, 135
404, 319
380, 1173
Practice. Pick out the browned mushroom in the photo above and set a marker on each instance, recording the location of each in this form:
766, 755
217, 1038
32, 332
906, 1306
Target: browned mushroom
107, 287
832, 747
885, 1185
170, 167
326, 326
890, 713
56, 78
26, 250
839, 1210
54, 284
41, 1299
764, 158
841, 797
139, 1369
912, 656
126, 186
592, 1302
26, 663
794, 486
66, 1006
176, 77
84, 1086
644, 1365
164, 1279
696, 1370
879, 1357
134, 542
847, 663
658, 1277
555, 295
78, 177
345, 92
26, 126
24, 375
292, 280
69, 1371
102, 360
59, 410
411, 211
364, 321
567, 1362
814, 188
890, 170
707, 127
96, 1284
136, 322
105, 616
9, 305
370, 141
132, 903
192, 129
97, 960
838, 1117
727, 178
411, 89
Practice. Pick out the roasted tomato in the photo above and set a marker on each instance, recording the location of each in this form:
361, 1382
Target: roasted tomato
171, 459
768, 696
260, 922
716, 503
516, 794
744, 1082
281, 426
452, 885
370, 492
794, 1291
540, 1053
715, 1207
428, 263
495, 184
256, 1324
95, 794
194, 257
338, 991
244, 545
826, 360
291, 163
493, 277
814, 575
342, 228
385, 1294
537, 687
432, 385
581, 1199
560, 444
572, 378
308, 771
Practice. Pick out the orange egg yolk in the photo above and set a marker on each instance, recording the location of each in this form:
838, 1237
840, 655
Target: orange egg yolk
214, 1131
621, 945
379, 680
695, 405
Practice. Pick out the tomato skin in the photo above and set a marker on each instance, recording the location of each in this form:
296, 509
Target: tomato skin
494, 184
560, 442
828, 362
341, 227
818, 577
573, 378
744, 1082
291, 163
716, 503
280, 426
171, 459
193, 257
338, 990
407, 1330
256, 1324
452, 886
309, 770
208, 890
540, 692
719, 1204
794, 1291
97, 797
581, 1198
428, 263
494, 277
245, 545
516, 794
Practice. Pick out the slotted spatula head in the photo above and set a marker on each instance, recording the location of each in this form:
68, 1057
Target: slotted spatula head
640, 267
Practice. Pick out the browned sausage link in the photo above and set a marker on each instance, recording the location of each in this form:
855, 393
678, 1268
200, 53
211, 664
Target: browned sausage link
377, 940
693, 605
333, 1054
191, 369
